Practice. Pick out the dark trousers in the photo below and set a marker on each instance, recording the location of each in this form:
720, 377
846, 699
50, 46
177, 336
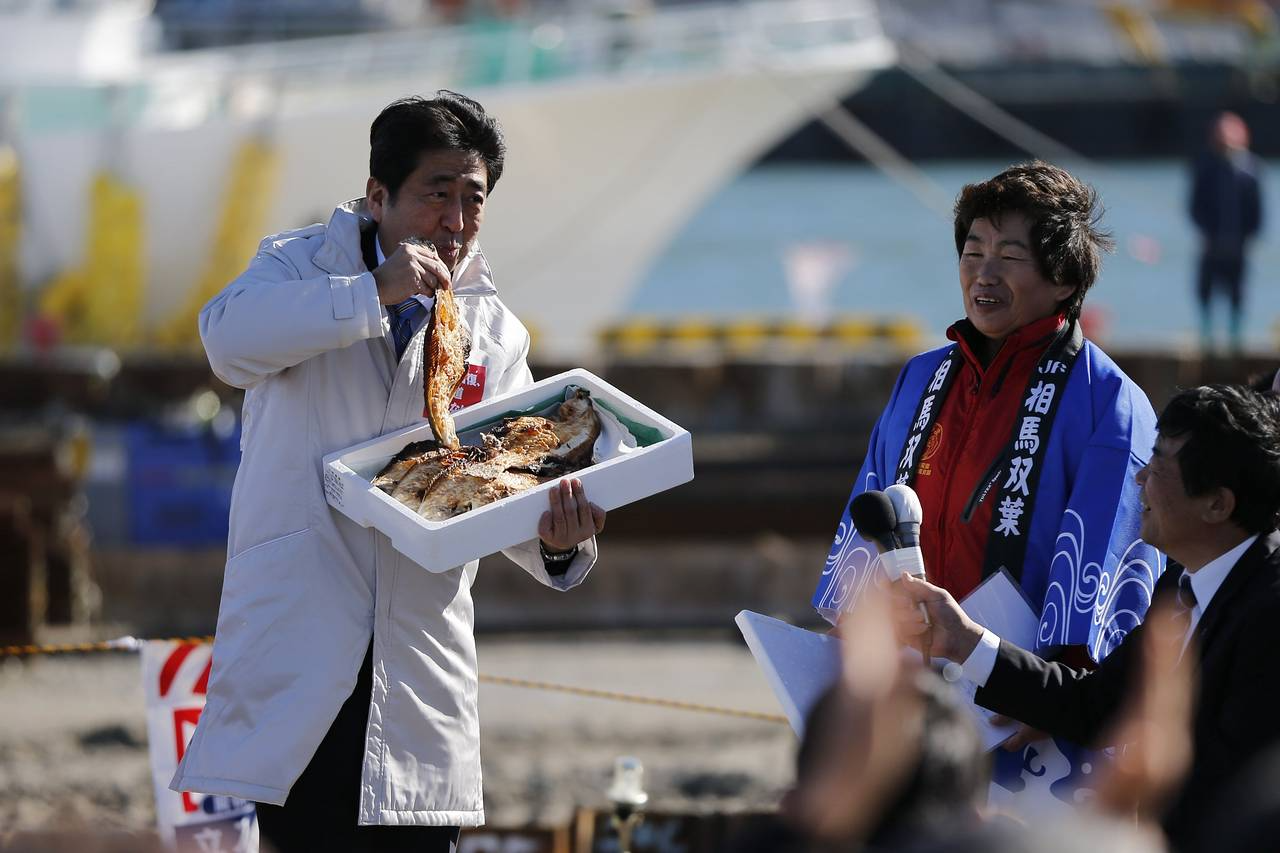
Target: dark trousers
1221, 272
323, 807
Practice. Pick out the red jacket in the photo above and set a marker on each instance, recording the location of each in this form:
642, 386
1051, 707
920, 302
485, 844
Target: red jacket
973, 428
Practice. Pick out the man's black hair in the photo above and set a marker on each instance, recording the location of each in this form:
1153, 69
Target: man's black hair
1066, 239
407, 128
1233, 442
949, 782
951, 775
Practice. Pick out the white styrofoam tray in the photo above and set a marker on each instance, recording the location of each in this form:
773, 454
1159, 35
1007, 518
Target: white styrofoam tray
440, 545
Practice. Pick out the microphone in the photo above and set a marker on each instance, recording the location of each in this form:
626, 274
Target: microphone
873, 513
909, 513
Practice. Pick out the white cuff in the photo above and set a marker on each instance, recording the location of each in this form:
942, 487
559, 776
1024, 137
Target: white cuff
344, 303
978, 665
364, 294
581, 563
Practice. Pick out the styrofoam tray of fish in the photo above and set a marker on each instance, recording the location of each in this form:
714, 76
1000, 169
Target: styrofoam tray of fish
435, 517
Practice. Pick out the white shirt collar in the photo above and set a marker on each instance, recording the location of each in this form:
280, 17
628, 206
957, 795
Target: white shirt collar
1205, 582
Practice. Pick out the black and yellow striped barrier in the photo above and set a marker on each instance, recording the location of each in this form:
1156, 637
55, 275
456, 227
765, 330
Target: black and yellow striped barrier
743, 336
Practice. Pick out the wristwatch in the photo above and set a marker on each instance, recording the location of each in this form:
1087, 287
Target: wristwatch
556, 556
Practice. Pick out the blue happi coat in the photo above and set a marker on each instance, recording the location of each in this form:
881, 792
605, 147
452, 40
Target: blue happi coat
1086, 570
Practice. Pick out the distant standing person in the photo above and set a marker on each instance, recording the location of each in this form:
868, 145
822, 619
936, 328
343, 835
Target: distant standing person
1226, 207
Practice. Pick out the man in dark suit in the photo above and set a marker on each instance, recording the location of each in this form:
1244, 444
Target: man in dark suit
1211, 501
1226, 208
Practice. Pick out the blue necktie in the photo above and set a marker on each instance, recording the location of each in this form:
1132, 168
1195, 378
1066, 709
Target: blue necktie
403, 317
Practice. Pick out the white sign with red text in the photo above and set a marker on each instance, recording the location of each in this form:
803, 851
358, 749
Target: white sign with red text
175, 676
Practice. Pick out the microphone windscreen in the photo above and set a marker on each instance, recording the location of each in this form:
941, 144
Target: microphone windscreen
906, 503
872, 513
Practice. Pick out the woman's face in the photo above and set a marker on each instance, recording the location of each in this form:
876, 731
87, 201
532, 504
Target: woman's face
1000, 280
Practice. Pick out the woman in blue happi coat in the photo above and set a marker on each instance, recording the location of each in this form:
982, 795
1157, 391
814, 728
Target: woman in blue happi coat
1022, 439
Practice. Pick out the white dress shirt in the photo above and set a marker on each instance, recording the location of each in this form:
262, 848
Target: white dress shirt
1204, 583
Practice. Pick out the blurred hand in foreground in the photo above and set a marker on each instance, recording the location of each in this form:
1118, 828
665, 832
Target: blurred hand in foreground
1153, 729
862, 758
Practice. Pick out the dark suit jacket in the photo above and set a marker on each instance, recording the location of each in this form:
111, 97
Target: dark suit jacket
1238, 697
1226, 199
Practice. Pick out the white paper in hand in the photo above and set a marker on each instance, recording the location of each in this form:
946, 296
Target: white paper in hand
799, 665
998, 605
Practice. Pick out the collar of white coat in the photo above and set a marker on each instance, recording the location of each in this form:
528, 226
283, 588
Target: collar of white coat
340, 252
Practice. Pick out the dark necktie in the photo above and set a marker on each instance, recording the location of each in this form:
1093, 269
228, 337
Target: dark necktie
403, 316
1186, 601
1186, 595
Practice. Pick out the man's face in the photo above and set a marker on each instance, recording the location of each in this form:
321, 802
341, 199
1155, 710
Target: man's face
1000, 280
1170, 517
442, 200
1230, 133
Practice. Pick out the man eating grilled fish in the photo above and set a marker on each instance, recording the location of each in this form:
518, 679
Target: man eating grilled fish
342, 698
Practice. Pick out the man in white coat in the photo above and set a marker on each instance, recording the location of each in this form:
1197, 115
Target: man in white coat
342, 698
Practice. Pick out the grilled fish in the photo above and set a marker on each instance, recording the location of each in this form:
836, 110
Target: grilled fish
400, 464
522, 440
520, 453
577, 426
470, 485
411, 488
517, 455
448, 345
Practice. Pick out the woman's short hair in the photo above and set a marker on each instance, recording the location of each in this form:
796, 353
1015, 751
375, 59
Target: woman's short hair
1064, 211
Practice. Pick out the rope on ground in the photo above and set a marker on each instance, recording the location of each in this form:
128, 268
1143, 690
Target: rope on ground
632, 699
133, 644
120, 644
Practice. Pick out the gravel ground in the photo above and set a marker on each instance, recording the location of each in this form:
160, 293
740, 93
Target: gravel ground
73, 737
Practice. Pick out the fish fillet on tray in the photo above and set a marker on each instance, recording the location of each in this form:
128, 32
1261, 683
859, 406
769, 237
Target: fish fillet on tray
443, 506
517, 454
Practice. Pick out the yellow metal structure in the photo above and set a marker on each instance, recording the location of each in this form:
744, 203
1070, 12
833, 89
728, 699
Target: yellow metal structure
1140, 31
100, 302
245, 206
11, 312
1138, 26
743, 336
1256, 15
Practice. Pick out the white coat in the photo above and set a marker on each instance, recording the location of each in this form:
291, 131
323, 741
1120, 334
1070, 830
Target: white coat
303, 333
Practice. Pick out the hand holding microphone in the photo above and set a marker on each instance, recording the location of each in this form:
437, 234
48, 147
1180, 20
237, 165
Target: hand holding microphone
897, 537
